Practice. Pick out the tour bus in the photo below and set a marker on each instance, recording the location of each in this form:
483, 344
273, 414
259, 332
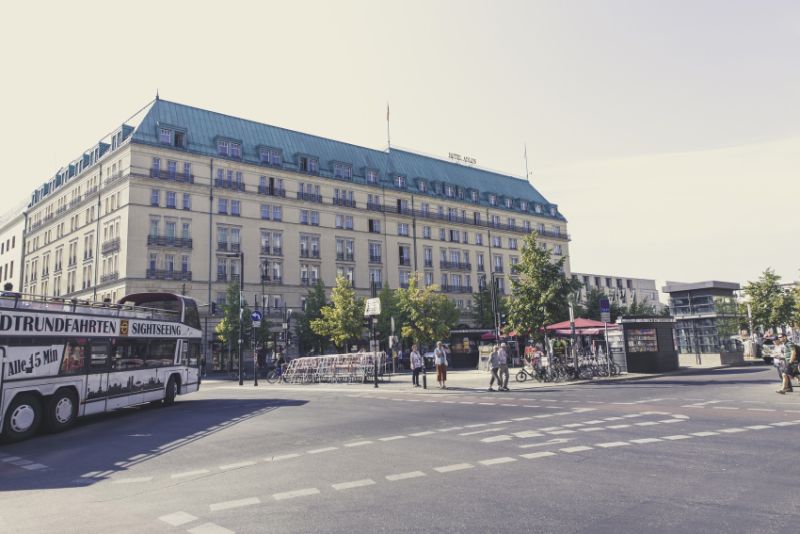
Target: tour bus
62, 359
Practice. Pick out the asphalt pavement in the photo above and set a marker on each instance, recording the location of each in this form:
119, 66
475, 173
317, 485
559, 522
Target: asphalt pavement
708, 451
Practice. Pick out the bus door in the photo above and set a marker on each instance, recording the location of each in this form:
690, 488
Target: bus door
98, 364
2, 379
190, 362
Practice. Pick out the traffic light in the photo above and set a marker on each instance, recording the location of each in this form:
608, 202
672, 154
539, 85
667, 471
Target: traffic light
213, 308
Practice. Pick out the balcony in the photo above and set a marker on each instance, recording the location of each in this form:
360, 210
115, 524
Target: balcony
222, 276
271, 280
314, 254
224, 246
271, 191
429, 264
481, 268
308, 281
110, 277
375, 259
161, 274
228, 184
377, 283
346, 202
344, 256
406, 262
456, 289
167, 241
172, 175
274, 251
498, 269
404, 285
309, 197
455, 265
373, 206
112, 245
73, 261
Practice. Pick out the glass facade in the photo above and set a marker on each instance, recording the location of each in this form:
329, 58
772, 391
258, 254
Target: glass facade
706, 323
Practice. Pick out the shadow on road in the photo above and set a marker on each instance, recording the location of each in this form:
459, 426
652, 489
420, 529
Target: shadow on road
99, 446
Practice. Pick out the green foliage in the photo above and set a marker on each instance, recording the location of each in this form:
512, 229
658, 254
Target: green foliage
542, 293
771, 305
228, 328
482, 307
309, 340
428, 315
341, 321
389, 309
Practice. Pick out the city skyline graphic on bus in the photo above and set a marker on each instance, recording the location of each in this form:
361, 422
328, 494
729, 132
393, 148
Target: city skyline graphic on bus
133, 384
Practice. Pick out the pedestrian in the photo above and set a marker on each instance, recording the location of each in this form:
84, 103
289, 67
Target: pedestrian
502, 360
416, 366
494, 365
440, 359
9, 294
788, 351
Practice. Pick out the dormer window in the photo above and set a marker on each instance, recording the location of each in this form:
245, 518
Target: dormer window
422, 185
460, 193
449, 191
523, 205
553, 210
538, 208
308, 164
493, 200
400, 181
270, 156
473, 195
372, 176
508, 203
166, 136
343, 170
229, 149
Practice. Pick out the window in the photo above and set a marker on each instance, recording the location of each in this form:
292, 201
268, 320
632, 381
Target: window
187, 201
277, 213
155, 198
428, 278
405, 277
236, 207
404, 252
374, 226
345, 250
523, 205
426, 232
427, 254
374, 252
184, 264
265, 211
308, 164
512, 243
270, 156
304, 216
185, 230
169, 262
473, 195
153, 227
400, 181
171, 200
526, 225
495, 221
493, 200
315, 218
375, 277
165, 136
512, 223
497, 241
222, 206
507, 203
479, 239
230, 149
344, 221
449, 191
442, 234
169, 228
455, 236
372, 176
402, 229
557, 250
343, 170
422, 185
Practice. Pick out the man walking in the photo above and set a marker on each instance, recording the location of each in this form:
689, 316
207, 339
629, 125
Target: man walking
502, 361
790, 370
494, 364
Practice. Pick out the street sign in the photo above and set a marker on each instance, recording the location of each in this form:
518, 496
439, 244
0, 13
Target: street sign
605, 317
256, 316
605, 305
256, 324
372, 307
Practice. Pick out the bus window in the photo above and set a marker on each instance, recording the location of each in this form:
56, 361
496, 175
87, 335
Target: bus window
99, 359
161, 352
194, 354
74, 360
128, 354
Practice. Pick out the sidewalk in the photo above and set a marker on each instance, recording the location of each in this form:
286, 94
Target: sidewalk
463, 379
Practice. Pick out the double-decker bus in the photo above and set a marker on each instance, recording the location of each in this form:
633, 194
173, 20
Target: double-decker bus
62, 359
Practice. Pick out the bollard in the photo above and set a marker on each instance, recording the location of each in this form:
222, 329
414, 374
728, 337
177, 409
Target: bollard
424, 378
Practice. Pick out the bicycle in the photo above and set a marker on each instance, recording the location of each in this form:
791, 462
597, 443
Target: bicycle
276, 375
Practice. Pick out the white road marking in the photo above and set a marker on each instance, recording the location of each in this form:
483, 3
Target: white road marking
758, 427
453, 467
495, 461
573, 425
646, 423
487, 403
528, 434
34, 467
324, 449
732, 430
236, 465
542, 416
419, 434
613, 419
476, 425
544, 443
785, 423
705, 434
579, 448
533, 455
404, 476
668, 421
358, 444
615, 427
484, 431
448, 429
591, 429
466, 402
177, 519
392, 438
132, 480
725, 408
610, 444
642, 441
239, 503
594, 422
11, 459
761, 410
190, 473
510, 405
209, 528
560, 432
294, 494
522, 419
495, 439
353, 484
676, 437
503, 422
21, 462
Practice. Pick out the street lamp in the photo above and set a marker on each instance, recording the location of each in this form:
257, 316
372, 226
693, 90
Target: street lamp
240, 255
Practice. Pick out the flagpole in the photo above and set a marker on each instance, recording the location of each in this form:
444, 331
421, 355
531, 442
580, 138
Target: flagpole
388, 130
527, 173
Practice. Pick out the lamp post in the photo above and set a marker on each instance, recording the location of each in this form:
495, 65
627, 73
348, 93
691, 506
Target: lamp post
240, 255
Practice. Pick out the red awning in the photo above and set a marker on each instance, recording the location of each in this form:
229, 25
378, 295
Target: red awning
580, 324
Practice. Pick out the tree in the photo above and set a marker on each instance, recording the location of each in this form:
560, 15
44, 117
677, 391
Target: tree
771, 305
388, 310
341, 320
228, 329
541, 292
482, 306
637, 309
427, 314
308, 339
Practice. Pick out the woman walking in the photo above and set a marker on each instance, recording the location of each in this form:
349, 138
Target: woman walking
440, 359
416, 365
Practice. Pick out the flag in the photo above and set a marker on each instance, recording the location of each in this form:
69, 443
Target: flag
387, 112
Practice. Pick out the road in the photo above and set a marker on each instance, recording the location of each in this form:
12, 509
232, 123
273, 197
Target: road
713, 451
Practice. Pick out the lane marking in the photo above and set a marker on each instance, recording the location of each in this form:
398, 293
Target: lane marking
591, 429
725, 408
785, 423
448, 429
495, 461
705, 434
405, 476
503, 422
294, 494
611, 444
239, 503
324, 449
453, 467
358, 444
353, 484
761, 410
484, 431
668, 421
594, 422
758, 427
476, 425
495, 439
177, 519
522, 419
528, 434
646, 423
560, 432
676, 437
732, 430
34, 467
190, 473
643, 441
615, 427
579, 448
236, 465
392, 438
210, 528
533, 455
426, 433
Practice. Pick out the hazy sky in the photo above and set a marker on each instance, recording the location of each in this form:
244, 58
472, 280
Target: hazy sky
667, 132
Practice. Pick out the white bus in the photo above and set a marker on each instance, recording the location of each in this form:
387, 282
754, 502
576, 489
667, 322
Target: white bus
65, 359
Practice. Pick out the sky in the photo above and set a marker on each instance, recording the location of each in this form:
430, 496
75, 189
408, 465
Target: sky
668, 132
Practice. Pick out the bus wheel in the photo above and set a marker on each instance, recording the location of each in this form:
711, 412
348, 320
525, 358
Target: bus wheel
171, 391
62, 410
23, 417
